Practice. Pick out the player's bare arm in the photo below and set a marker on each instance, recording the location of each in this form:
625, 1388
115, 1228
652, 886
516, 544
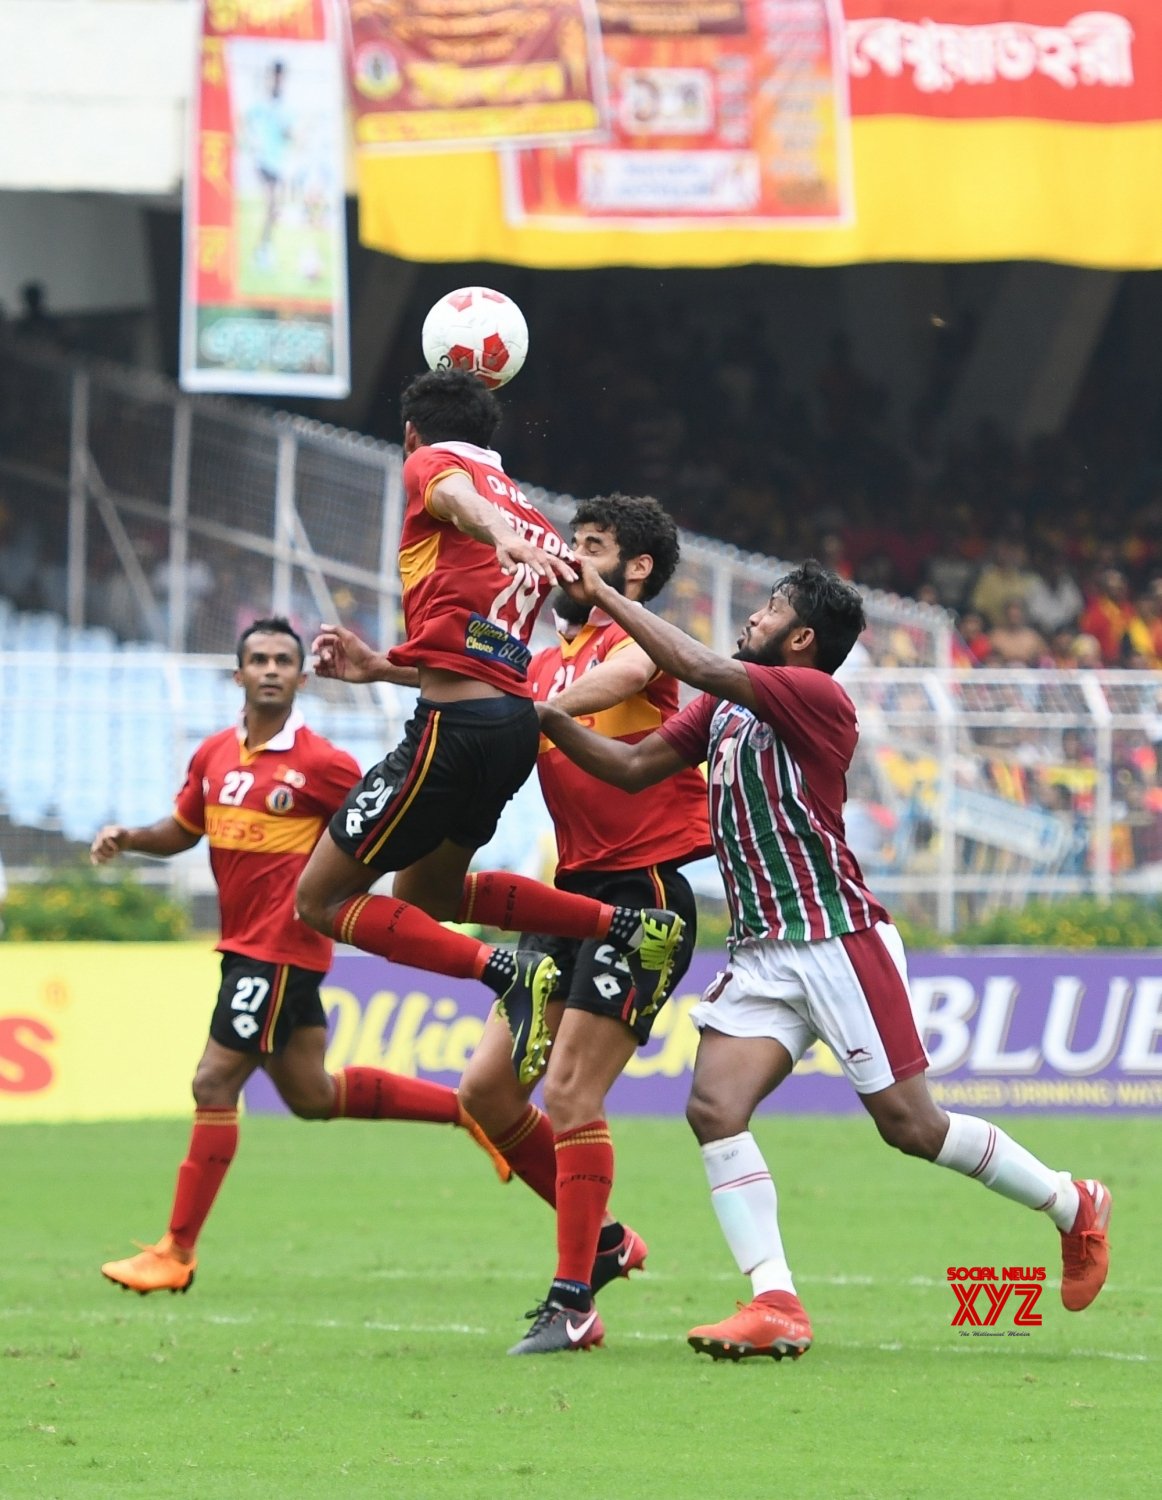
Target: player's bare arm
454, 499
630, 767
163, 838
615, 680
671, 649
339, 653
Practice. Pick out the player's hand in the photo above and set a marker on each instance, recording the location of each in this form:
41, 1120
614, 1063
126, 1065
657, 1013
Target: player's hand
511, 555
587, 581
340, 653
108, 843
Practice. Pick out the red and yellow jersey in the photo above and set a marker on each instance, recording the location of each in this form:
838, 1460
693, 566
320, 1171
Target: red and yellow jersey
263, 811
461, 613
598, 826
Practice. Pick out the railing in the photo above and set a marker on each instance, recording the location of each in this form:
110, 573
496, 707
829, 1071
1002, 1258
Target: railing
174, 519
970, 790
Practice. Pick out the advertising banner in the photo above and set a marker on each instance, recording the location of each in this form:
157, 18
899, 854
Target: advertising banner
721, 110
264, 265
438, 72
113, 1031
979, 130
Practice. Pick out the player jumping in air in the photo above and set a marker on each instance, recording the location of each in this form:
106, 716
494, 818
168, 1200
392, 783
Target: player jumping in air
260, 793
476, 561
812, 952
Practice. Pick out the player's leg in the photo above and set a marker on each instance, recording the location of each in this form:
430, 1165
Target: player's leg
864, 1013
171, 1263
298, 1070
423, 806
751, 1037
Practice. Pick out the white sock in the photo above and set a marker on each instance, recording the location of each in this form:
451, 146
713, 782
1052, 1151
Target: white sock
980, 1150
747, 1206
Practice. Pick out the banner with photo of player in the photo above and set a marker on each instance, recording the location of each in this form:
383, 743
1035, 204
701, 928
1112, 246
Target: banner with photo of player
979, 130
440, 73
722, 111
264, 268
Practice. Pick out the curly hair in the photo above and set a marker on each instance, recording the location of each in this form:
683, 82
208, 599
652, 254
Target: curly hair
451, 406
830, 605
639, 525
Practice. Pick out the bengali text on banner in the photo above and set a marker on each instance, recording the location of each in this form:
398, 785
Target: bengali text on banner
979, 130
264, 273
429, 73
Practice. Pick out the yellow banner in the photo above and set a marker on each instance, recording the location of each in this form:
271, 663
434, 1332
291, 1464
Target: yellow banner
925, 190
102, 1031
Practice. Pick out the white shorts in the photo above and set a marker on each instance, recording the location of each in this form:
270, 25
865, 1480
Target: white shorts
850, 992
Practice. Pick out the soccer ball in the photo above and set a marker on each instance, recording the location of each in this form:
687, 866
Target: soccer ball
478, 330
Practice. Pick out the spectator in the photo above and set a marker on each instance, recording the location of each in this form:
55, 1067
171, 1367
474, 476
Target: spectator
1005, 577
1015, 643
1054, 599
974, 639
1110, 617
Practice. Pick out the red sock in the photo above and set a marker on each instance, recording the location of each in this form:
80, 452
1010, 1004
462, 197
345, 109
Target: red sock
528, 1149
514, 903
212, 1146
372, 1094
396, 930
584, 1183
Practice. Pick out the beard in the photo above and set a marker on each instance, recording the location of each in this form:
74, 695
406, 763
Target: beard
770, 654
576, 611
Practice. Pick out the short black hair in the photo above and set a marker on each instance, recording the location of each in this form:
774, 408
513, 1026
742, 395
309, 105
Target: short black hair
451, 406
271, 625
830, 605
639, 525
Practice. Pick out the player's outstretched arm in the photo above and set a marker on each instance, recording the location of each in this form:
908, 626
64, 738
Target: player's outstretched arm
341, 654
611, 682
454, 498
630, 767
670, 648
165, 837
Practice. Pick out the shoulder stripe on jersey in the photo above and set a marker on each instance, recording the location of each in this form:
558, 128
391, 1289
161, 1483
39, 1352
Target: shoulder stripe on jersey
186, 824
433, 482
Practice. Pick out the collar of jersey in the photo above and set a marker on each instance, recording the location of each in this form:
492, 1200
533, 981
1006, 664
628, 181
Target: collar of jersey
597, 620
283, 740
470, 450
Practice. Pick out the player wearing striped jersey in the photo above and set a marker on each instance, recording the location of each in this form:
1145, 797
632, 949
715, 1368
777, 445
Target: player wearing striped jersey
813, 955
260, 794
476, 561
619, 848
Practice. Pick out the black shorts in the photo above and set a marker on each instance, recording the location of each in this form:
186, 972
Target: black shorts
594, 976
260, 1004
448, 778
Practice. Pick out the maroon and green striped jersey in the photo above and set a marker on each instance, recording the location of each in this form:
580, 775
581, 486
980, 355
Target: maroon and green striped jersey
777, 782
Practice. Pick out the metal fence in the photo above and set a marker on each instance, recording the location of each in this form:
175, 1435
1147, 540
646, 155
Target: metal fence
173, 519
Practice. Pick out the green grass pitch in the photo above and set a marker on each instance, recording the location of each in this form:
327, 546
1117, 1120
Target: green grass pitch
360, 1283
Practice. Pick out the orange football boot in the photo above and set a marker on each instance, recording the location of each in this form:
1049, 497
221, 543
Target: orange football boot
1085, 1249
158, 1268
774, 1324
466, 1122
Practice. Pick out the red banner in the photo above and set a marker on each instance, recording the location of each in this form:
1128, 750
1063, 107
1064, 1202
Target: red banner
440, 72
1012, 59
720, 110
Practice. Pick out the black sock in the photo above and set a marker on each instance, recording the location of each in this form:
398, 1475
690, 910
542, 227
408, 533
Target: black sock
624, 927
611, 1236
572, 1294
500, 970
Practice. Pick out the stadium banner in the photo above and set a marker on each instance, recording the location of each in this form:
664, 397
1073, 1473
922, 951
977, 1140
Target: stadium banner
264, 262
723, 111
92, 1031
440, 73
979, 130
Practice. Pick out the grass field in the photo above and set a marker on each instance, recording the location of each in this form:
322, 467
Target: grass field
360, 1284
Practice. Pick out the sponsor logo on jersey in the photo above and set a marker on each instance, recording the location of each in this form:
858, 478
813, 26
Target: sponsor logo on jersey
484, 637
290, 776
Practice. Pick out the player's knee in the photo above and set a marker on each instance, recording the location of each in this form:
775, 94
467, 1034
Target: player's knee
309, 1105
495, 1105
570, 1098
212, 1091
912, 1133
712, 1118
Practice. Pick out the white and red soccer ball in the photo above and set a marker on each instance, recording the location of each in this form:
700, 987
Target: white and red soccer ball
478, 330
